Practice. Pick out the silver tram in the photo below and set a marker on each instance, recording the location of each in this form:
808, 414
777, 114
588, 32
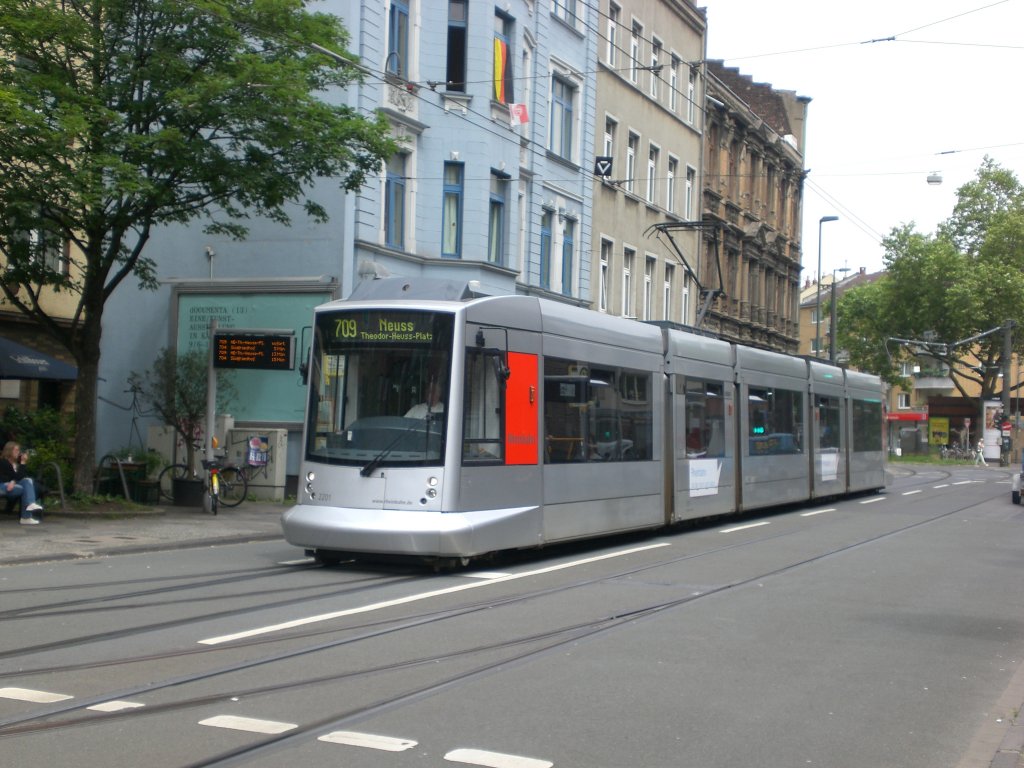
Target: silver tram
446, 430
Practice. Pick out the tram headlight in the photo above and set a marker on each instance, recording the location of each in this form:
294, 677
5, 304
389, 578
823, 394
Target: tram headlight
432, 493
310, 476
432, 482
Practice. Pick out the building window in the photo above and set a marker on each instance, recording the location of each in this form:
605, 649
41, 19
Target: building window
666, 299
602, 287
670, 185
691, 190
628, 257
546, 222
394, 202
609, 137
565, 10
496, 220
614, 14
652, 173
568, 255
903, 401
631, 148
684, 299
398, 39
691, 96
673, 83
451, 210
563, 95
634, 52
649, 263
455, 74
504, 27
655, 70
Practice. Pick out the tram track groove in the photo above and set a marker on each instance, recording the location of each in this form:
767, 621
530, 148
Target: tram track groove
560, 636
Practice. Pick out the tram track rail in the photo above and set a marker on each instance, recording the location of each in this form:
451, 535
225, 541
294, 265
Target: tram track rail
523, 649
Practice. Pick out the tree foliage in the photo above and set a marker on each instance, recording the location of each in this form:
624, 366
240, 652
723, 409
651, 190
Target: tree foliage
118, 116
175, 386
951, 293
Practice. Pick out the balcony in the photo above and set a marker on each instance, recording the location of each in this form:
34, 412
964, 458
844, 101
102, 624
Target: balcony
932, 378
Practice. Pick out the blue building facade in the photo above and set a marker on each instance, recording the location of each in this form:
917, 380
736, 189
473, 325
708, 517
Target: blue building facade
494, 107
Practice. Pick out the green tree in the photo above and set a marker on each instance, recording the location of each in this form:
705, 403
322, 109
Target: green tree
119, 116
951, 289
176, 389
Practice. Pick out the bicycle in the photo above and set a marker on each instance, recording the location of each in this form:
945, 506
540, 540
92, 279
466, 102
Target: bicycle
225, 484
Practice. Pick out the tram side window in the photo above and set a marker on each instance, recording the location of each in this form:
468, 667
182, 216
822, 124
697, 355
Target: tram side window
775, 418
596, 414
482, 439
867, 425
704, 404
828, 423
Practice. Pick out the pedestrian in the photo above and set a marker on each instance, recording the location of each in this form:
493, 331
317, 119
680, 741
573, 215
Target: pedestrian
979, 454
16, 483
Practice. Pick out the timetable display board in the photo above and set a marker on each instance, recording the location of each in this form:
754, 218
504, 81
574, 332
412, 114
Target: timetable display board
256, 350
273, 396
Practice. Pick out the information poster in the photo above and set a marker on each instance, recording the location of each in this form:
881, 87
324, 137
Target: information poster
273, 396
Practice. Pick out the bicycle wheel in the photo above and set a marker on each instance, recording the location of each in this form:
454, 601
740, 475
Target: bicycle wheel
169, 474
234, 486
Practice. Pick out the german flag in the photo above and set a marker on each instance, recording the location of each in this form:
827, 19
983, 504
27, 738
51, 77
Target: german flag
502, 73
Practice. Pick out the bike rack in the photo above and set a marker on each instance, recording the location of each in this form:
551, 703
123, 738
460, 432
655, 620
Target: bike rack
99, 471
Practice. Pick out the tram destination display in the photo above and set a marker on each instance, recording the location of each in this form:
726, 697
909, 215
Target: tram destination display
260, 351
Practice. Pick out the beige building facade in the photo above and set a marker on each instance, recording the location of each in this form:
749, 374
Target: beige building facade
649, 135
32, 394
753, 202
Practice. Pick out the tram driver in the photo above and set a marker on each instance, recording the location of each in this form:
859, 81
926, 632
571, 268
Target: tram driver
433, 404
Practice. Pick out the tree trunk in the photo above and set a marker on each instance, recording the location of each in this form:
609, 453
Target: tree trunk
87, 355
85, 425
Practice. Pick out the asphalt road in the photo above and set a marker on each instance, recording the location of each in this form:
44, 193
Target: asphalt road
878, 631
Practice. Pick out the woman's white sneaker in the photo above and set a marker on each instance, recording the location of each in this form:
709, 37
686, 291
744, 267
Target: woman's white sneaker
33, 507
29, 521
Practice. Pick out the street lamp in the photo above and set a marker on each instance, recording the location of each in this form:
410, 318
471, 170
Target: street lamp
832, 322
817, 306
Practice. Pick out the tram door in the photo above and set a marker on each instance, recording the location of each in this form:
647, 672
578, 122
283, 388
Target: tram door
500, 467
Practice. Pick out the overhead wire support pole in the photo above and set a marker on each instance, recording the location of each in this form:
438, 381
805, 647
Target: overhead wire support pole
342, 60
707, 294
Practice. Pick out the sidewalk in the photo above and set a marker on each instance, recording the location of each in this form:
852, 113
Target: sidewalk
68, 535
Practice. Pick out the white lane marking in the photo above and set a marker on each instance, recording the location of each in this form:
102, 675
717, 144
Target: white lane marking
419, 596
36, 697
300, 561
494, 759
744, 527
486, 575
817, 512
964, 482
943, 485
250, 724
115, 706
911, 493
872, 501
368, 740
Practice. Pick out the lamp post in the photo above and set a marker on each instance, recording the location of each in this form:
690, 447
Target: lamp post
832, 320
817, 305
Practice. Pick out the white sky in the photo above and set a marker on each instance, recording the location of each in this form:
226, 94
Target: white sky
883, 114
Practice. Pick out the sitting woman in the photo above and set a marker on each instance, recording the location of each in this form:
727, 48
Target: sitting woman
15, 482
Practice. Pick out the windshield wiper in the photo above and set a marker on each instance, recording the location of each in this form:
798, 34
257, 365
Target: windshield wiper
376, 460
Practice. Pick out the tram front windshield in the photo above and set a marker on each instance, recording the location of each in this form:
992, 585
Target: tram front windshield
379, 388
